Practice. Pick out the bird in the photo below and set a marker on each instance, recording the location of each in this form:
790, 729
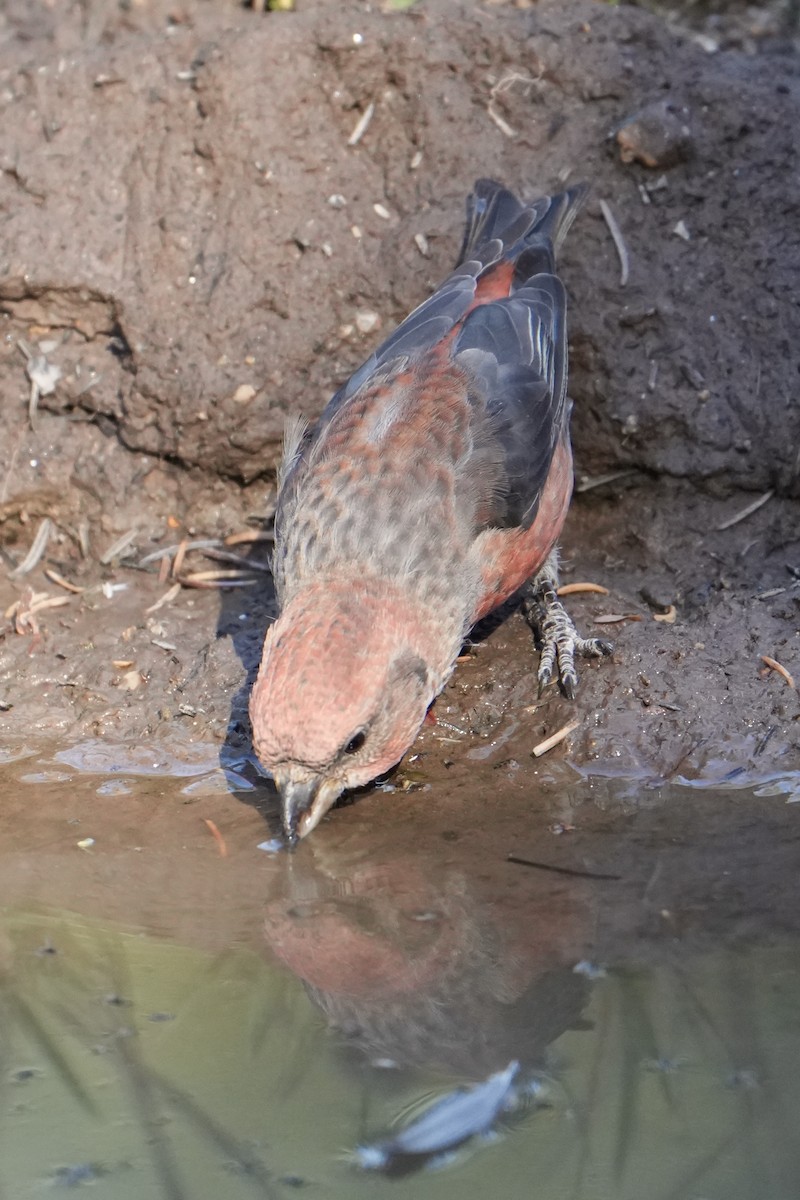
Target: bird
431, 490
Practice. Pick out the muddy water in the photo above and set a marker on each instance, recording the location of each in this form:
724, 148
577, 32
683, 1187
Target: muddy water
175, 1022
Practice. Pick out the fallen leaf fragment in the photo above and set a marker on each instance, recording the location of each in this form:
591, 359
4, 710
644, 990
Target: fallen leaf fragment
615, 618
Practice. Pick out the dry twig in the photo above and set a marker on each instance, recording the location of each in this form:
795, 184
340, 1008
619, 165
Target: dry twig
237, 560
779, 669
554, 739
746, 512
36, 551
180, 555
23, 611
362, 124
54, 576
221, 579
575, 589
218, 838
587, 483
249, 535
168, 551
504, 85
167, 598
118, 548
619, 242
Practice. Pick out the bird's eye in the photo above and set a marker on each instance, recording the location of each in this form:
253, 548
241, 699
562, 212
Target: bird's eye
355, 743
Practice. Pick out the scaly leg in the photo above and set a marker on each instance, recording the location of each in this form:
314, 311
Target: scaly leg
553, 626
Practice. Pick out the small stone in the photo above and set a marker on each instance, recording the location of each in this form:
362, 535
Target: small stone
656, 597
367, 321
658, 136
337, 200
244, 393
709, 44
589, 969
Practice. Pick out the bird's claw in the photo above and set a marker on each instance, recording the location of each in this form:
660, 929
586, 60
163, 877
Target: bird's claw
559, 638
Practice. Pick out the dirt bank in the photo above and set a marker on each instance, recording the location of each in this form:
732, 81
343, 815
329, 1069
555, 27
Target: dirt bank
194, 242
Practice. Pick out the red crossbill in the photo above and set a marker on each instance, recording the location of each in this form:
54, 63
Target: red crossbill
431, 489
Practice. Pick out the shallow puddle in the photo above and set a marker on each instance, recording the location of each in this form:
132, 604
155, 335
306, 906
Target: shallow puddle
180, 1022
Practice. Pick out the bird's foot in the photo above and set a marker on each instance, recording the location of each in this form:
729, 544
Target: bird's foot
554, 628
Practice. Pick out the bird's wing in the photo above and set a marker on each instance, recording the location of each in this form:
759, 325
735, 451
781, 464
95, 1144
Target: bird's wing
515, 351
500, 316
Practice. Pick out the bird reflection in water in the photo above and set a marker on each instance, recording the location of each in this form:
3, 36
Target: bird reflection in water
420, 963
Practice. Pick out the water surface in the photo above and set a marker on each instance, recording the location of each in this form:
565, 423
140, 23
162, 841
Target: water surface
175, 1023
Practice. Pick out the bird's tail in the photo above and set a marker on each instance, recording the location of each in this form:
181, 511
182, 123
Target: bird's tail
531, 234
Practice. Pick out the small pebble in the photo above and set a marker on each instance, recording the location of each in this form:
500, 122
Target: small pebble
367, 321
589, 970
657, 136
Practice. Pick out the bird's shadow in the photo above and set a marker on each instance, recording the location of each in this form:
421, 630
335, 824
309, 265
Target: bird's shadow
245, 615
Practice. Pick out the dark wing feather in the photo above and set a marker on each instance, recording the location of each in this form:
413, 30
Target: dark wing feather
514, 348
516, 352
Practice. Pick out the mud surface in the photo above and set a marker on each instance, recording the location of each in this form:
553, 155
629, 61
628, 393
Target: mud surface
176, 259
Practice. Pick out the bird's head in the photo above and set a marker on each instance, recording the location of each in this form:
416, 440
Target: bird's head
342, 690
